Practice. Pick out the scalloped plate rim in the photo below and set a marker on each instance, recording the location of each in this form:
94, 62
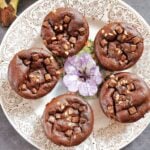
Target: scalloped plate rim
26, 10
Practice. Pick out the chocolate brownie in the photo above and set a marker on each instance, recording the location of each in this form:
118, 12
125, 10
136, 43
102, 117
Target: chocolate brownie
118, 46
65, 31
68, 120
125, 97
33, 73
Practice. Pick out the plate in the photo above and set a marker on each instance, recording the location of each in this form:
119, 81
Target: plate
25, 115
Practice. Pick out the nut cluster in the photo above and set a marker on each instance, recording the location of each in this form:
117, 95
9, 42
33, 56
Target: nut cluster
70, 119
123, 100
120, 96
42, 71
62, 34
39, 71
118, 44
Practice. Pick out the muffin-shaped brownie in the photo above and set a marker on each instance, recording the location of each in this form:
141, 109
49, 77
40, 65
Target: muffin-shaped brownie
65, 31
68, 120
118, 46
125, 97
33, 73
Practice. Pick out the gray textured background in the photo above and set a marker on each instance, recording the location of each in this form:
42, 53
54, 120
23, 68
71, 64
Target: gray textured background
11, 140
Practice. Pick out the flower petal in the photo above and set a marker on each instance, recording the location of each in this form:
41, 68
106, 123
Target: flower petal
70, 67
96, 75
71, 82
83, 90
87, 61
88, 88
92, 87
82, 74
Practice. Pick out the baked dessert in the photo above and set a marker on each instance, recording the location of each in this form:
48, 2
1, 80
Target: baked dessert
124, 97
64, 31
68, 120
118, 46
33, 73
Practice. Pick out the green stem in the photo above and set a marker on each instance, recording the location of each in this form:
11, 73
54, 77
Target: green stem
14, 4
3, 4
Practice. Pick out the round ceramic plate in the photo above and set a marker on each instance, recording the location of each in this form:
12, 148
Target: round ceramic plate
25, 115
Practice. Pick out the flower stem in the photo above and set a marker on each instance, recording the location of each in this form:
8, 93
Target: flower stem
14, 4
3, 4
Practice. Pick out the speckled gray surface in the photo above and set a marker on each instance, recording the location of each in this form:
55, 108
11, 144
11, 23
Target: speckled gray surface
11, 140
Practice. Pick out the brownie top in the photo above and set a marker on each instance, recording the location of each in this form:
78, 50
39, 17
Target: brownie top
125, 97
68, 120
64, 31
33, 73
118, 46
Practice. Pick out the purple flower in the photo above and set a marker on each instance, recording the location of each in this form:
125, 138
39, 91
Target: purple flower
82, 75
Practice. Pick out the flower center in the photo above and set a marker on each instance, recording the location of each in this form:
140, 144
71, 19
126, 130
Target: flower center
83, 75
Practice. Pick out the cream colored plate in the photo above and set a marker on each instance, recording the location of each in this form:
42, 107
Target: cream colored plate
25, 116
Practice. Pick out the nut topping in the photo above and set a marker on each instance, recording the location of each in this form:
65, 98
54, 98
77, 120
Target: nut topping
48, 77
51, 119
72, 40
133, 48
132, 110
110, 109
77, 130
47, 61
27, 62
68, 118
61, 28
55, 27
121, 38
136, 40
58, 116
35, 57
82, 108
116, 96
34, 90
65, 46
119, 51
76, 105
45, 24
59, 36
53, 38
68, 133
67, 19
112, 83
131, 87
67, 53
102, 31
82, 30
123, 82
75, 119
104, 43
119, 29
70, 111
24, 87
82, 120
